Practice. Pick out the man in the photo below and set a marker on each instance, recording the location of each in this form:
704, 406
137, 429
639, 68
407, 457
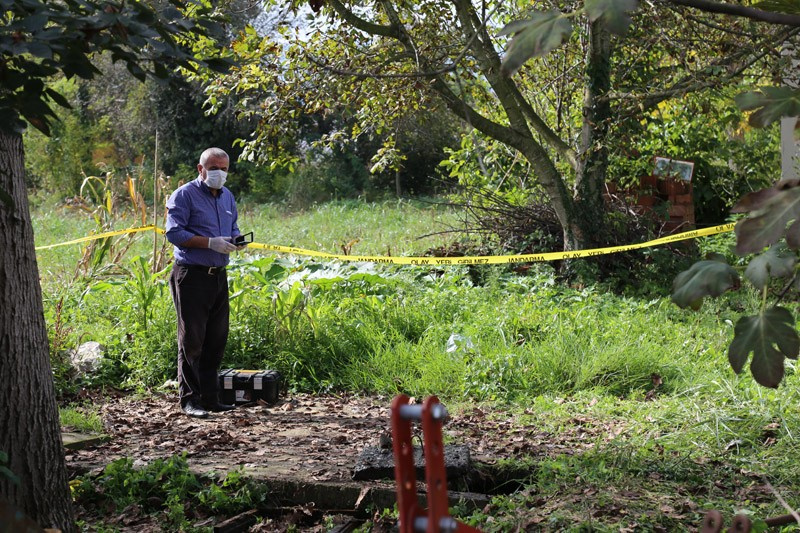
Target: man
201, 222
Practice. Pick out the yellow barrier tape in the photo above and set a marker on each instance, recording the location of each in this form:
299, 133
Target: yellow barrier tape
434, 261
103, 236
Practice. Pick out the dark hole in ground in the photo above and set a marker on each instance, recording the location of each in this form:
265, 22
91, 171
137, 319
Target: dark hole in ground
493, 479
463, 473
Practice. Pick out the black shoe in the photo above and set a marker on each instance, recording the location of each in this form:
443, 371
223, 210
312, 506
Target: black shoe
218, 407
194, 410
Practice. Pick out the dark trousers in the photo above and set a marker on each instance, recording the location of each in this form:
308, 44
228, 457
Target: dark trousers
201, 304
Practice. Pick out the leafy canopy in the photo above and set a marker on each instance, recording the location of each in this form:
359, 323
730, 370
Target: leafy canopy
41, 39
770, 335
544, 31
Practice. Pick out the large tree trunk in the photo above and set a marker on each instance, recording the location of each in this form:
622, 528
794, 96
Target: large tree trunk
591, 175
29, 426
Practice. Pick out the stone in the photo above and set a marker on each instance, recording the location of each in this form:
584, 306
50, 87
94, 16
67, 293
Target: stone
376, 463
80, 441
87, 357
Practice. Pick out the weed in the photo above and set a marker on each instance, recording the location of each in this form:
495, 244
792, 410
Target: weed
144, 286
234, 493
99, 198
664, 414
167, 490
82, 419
59, 335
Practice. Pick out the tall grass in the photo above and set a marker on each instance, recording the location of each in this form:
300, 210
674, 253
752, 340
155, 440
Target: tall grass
386, 330
399, 227
540, 349
396, 227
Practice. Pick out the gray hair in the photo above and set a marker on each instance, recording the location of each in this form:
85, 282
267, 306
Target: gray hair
212, 152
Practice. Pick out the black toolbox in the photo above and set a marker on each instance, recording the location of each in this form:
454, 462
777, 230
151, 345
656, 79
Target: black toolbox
246, 386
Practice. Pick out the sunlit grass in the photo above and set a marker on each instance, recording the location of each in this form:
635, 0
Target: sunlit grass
81, 419
354, 228
389, 228
653, 377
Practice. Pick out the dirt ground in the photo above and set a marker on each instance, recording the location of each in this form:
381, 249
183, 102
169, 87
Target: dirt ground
307, 445
305, 437
304, 449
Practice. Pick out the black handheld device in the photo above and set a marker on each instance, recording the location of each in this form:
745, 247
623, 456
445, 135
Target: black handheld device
240, 240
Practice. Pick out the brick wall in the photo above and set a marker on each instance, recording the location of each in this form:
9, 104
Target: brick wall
670, 199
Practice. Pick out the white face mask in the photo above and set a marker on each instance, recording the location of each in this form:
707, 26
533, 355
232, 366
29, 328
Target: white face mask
215, 179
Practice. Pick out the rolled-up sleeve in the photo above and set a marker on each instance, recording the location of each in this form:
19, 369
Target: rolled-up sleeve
178, 210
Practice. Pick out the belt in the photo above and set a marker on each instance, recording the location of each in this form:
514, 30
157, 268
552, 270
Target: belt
211, 271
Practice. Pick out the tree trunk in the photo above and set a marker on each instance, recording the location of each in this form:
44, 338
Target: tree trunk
29, 426
591, 175
398, 189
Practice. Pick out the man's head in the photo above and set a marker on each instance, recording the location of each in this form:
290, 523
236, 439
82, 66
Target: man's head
216, 161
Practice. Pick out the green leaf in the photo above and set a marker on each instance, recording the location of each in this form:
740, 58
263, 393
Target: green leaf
39, 50
170, 13
35, 22
704, 278
137, 71
219, 64
614, 13
771, 336
716, 256
767, 225
75, 65
771, 104
777, 262
540, 34
58, 98
10, 120
754, 200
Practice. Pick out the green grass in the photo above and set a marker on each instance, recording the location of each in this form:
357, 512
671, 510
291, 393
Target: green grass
668, 420
81, 419
386, 228
326, 324
652, 465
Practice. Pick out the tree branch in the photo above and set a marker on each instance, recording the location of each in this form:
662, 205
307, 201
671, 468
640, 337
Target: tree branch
710, 6
361, 24
689, 84
718, 27
544, 130
361, 75
491, 58
520, 119
536, 122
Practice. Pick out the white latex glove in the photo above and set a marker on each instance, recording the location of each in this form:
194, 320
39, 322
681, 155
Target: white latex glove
221, 244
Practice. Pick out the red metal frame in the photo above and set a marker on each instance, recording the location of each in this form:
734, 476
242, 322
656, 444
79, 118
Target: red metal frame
413, 518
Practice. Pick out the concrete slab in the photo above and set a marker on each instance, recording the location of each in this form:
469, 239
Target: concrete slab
378, 463
82, 441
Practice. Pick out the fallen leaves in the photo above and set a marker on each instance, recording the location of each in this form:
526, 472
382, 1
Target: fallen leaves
318, 438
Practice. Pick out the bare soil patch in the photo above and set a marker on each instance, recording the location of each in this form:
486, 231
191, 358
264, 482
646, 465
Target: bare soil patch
305, 438
307, 445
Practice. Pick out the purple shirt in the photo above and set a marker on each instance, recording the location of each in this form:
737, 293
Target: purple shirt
193, 210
